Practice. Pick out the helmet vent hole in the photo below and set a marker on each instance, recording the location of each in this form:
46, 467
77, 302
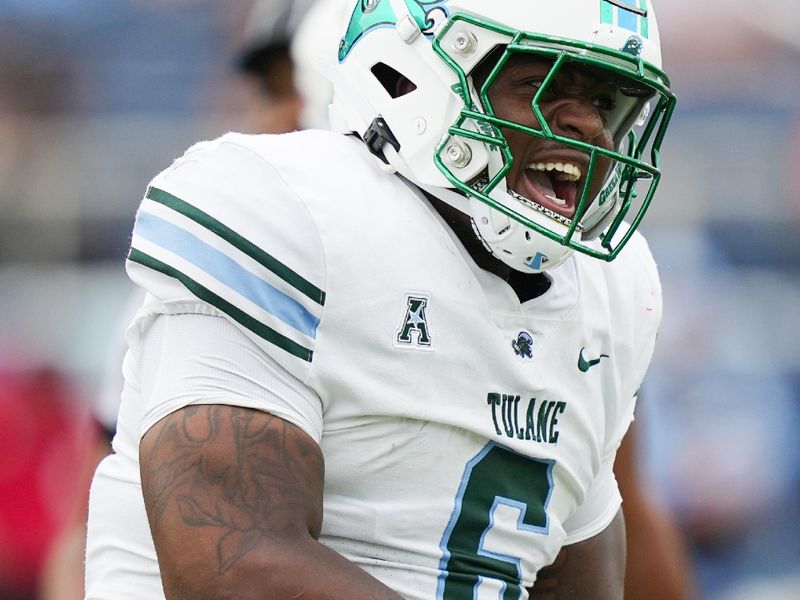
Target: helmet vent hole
395, 83
528, 235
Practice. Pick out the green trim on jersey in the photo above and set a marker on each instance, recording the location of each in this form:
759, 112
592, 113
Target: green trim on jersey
234, 239
260, 329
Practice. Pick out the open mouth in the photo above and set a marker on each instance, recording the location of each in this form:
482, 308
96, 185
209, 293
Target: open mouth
553, 185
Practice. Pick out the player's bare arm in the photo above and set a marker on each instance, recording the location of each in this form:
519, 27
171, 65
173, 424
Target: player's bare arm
658, 566
590, 570
234, 500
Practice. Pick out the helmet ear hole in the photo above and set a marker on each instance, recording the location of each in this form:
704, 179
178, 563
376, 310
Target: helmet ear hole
480, 72
395, 83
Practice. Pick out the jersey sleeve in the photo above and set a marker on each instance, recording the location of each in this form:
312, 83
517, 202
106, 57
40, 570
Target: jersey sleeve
198, 356
601, 505
648, 309
222, 226
639, 295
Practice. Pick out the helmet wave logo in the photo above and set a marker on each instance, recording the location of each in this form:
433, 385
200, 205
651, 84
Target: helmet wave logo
633, 46
370, 15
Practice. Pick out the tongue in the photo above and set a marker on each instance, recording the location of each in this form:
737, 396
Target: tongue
566, 190
542, 182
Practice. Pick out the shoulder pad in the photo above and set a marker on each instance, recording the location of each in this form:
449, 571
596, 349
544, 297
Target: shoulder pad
221, 225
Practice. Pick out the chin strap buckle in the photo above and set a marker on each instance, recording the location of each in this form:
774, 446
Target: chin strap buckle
378, 134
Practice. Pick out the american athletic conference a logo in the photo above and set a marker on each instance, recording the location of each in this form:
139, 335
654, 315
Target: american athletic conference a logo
414, 331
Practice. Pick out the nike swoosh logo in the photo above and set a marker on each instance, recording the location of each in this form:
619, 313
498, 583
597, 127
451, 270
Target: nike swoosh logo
584, 365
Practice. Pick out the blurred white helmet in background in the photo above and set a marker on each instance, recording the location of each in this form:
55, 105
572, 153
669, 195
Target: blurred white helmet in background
270, 25
314, 50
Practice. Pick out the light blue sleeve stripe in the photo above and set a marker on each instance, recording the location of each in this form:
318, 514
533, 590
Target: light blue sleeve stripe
227, 271
627, 19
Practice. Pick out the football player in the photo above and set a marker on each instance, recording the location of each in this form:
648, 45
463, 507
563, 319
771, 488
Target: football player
273, 103
657, 566
428, 327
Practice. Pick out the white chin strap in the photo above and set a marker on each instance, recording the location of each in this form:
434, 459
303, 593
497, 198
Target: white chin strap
509, 241
458, 201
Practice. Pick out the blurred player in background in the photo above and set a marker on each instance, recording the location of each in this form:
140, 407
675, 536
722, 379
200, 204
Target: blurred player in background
275, 105
47, 441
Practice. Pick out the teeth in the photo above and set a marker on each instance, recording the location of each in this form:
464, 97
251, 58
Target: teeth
558, 201
565, 171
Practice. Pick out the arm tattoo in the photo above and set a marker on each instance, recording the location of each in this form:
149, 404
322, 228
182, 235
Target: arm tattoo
247, 473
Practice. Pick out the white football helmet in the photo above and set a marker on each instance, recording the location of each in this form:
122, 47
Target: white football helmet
441, 131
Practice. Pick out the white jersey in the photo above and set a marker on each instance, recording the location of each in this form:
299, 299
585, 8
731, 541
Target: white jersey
467, 436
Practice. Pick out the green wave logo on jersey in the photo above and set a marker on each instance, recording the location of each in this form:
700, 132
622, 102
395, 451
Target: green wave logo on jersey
376, 14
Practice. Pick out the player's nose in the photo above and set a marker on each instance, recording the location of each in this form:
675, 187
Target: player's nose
578, 118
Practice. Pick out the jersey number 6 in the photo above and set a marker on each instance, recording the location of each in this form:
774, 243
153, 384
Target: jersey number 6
495, 477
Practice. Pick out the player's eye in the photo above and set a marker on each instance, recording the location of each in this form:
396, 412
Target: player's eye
604, 102
552, 92
534, 82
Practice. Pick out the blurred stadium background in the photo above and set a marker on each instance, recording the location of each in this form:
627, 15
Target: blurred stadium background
96, 96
